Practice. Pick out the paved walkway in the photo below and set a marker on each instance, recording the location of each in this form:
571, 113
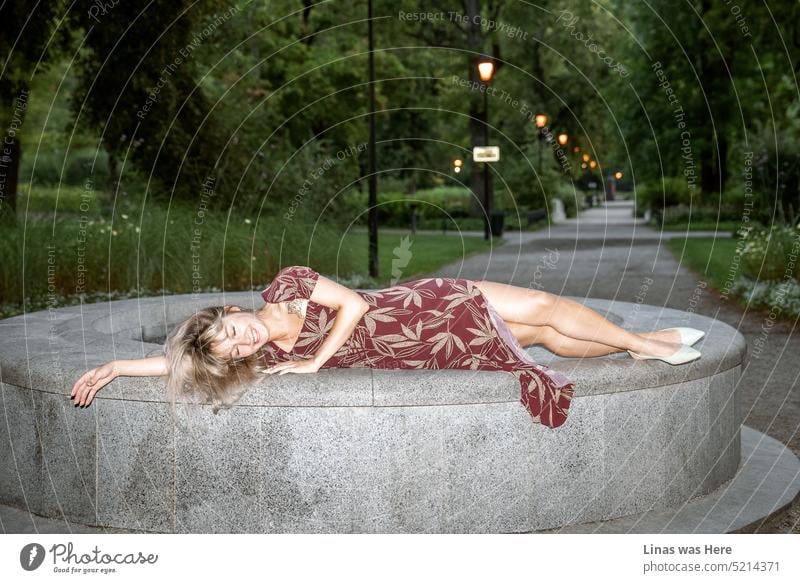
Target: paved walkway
606, 253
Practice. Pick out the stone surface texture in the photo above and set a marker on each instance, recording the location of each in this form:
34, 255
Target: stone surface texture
357, 450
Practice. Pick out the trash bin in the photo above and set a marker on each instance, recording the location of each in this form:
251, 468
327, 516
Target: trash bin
496, 221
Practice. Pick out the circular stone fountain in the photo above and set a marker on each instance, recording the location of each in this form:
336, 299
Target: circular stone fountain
357, 450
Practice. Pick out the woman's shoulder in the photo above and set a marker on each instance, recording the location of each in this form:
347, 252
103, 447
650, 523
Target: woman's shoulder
291, 282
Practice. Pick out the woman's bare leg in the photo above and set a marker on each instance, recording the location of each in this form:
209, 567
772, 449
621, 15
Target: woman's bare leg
538, 308
556, 342
562, 345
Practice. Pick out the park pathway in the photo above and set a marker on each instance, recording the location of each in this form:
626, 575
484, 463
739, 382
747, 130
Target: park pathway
606, 253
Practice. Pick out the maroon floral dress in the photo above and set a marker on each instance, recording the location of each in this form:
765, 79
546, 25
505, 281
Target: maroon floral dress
431, 323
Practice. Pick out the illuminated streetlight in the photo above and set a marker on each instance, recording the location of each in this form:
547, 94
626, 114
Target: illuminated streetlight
576, 149
583, 164
563, 139
457, 163
592, 164
486, 71
586, 157
541, 121
618, 175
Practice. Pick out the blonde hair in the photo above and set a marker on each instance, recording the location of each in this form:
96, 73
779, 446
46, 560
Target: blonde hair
195, 370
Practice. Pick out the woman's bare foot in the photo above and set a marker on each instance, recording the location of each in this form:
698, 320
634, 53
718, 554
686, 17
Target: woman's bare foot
663, 335
656, 347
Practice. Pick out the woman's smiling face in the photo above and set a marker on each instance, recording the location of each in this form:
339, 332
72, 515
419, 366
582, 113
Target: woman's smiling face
242, 335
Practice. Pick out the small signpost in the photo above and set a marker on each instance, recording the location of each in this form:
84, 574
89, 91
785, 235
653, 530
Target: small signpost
485, 154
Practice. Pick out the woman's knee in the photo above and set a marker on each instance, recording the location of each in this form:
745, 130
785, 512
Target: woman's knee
542, 305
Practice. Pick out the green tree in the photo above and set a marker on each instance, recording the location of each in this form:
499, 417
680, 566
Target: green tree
29, 39
139, 87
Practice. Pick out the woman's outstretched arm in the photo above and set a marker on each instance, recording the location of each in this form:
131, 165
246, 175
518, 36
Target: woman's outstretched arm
155, 366
350, 308
85, 388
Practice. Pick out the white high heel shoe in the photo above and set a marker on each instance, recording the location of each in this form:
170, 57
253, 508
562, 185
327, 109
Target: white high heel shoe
681, 356
689, 336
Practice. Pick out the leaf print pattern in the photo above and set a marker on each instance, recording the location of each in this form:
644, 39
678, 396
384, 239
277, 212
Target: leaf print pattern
290, 283
432, 323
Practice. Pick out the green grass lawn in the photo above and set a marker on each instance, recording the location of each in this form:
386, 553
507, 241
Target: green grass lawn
722, 226
60, 260
709, 257
410, 255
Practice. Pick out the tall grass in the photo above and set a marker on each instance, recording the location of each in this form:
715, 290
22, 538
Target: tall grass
56, 260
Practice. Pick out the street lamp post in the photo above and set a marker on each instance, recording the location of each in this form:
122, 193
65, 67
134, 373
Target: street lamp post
486, 70
541, 121
372, 216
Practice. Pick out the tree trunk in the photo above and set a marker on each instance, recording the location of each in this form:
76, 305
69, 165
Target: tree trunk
9, 174
10, 155
722, 170
707, 170
106, 202
476, 113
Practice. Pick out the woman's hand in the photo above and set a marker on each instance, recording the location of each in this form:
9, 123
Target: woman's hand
92, 381
295, 366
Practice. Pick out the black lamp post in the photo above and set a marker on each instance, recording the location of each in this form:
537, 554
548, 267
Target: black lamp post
372, 216
541, 121
486, 70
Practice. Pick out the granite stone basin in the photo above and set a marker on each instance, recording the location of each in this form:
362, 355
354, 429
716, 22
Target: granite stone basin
356, 450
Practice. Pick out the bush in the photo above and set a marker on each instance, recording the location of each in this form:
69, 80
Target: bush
781, 297
47, 167
662, 193
394, 208
571, 197
770, 254
681, 214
